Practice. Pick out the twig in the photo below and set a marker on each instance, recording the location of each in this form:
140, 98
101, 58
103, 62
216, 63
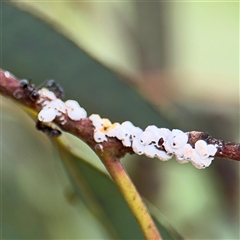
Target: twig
10, 85
230, 150
111, 151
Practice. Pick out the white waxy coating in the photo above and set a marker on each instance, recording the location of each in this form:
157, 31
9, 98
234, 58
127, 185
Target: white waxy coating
151, 134
142, 142
100, 137
176, 140
156, 133
150, 151
127, 142
137, 146
58, 105
136, 132
200, 162
123, 132
101, 127
127, 133
72, 104
204, 149
112, 130
54, 107
188, 152
212, 150
150, 137
201, 148
146, 142
127, 125
74, 111
202, 155
164, 133
146, 138
50, 107
77, 114
96, 120
106, 123
47, 114
163, 156
45, 93
152, 128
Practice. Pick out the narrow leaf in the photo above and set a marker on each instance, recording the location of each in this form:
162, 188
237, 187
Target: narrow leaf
95, 187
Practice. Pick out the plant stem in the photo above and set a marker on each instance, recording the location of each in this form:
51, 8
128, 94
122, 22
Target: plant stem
133, 199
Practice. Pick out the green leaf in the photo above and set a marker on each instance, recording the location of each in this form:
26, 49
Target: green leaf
104, 198
101, 195
33, 183
32, 49
166, 230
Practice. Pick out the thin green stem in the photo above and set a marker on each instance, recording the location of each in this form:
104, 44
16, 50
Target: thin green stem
132, 197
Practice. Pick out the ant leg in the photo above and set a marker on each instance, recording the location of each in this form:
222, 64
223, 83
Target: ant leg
47, 129
29, 89
54, 87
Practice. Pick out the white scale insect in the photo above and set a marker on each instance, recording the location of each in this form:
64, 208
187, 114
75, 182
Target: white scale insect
153, 142
146, 142
54, 107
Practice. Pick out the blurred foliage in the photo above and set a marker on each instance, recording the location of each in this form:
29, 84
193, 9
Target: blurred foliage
183, 57
104, 199
34, 186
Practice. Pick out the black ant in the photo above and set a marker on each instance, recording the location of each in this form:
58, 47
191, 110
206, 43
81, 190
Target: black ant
52, 132
55, 87
29, 89
33, 94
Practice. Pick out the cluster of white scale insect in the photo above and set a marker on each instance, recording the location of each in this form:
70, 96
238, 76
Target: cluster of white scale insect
53, 107
153, 141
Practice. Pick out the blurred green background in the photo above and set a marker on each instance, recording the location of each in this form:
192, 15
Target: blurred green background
172, 64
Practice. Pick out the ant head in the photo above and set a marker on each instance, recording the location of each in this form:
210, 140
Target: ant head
24, 83
34, 95
29, 89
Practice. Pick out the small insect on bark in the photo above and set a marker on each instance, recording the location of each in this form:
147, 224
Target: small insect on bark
29, 89
52, 132
55, 87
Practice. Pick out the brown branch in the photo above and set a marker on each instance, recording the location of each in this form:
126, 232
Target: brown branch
10, 87
230, 150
